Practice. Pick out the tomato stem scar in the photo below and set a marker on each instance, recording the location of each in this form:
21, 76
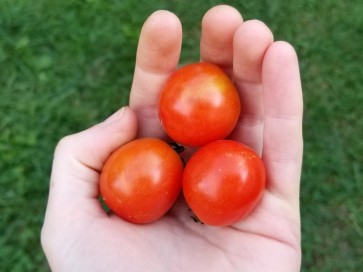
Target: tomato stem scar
195, 218
177, 148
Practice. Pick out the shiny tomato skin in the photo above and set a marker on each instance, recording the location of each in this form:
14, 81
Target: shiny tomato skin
199, 104
141, 180
223, 182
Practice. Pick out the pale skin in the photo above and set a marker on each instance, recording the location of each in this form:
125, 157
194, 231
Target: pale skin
79, 236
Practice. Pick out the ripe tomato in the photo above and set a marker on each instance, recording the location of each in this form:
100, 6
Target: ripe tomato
141, 180
223, 181
199, 104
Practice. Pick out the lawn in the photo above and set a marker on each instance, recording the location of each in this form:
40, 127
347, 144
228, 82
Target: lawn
65, 65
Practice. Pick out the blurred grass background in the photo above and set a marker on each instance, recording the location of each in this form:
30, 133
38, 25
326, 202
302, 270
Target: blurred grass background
65, 65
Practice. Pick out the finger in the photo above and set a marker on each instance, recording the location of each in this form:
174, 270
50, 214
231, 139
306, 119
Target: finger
79, 158
218, 27
250, 43
73, 193
283, 142
157, 57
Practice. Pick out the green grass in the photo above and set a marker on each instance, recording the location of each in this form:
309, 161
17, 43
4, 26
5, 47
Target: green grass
65, 65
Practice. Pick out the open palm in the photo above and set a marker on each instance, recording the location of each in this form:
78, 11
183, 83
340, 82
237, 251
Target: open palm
79, 236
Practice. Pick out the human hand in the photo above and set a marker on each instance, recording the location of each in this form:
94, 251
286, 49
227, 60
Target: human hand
79, 236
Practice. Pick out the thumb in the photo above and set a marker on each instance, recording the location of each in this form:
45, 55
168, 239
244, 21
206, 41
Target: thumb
79, 158
73, 194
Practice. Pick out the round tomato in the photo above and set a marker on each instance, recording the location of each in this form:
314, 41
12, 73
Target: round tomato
141, 180
223, 181
199, 104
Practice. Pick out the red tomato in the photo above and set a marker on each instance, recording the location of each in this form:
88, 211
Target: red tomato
141, 180
223, 181
199, 104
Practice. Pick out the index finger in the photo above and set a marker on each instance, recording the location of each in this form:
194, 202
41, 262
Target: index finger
157, 57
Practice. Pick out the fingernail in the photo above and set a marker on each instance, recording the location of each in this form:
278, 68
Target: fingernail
115, 117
